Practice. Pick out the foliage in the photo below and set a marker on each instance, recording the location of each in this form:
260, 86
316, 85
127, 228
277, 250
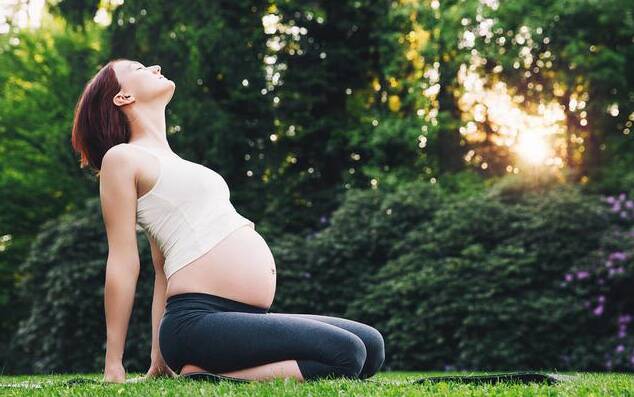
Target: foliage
361, 235
41, 73
478, 286
575, 53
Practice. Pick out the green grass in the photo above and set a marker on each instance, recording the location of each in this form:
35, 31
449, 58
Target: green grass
383, 384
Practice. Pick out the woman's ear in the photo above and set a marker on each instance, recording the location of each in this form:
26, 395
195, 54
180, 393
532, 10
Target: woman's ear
123, 99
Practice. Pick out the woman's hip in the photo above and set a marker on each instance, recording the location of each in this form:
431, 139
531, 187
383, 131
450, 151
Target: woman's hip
181, 318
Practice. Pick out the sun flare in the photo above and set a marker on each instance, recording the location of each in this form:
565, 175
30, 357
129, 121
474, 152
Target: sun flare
532, 148
533, 132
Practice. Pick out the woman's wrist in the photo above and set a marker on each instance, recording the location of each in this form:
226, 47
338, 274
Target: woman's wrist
156, 357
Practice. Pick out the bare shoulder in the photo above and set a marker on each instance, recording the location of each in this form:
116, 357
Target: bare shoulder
117, 154
118, 163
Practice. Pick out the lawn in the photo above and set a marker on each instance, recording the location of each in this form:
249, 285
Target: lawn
382, 384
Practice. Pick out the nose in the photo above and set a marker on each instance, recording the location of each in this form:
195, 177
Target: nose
157, 68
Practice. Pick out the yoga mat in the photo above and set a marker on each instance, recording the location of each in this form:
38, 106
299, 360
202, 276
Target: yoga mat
513, 377
510, 377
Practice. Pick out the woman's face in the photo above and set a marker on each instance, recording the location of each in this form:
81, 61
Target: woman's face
140, 83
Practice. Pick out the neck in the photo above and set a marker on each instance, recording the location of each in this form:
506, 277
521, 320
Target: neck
147, 123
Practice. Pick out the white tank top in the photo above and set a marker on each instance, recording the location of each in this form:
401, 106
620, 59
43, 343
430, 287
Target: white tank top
187, 211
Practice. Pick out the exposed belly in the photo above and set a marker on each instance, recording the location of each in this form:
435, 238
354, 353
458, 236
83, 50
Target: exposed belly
240, 267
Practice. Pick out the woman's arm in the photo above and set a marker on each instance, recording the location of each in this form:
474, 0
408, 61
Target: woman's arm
158, 300
158, 366
117, 190
158, 307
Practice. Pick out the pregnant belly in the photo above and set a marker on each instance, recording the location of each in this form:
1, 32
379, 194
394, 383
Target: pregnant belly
240, 267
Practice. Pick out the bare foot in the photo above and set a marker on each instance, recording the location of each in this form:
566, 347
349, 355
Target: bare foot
189, 368
281, 369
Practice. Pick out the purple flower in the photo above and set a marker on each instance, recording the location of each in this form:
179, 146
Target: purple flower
601, 298
623, 214
610, 199
617, 256
622, 196
323, 219
629, 204
620, 348
622, 333
616, 207
632, 359
598, 310
569, 277
618, 270
608, 263
582, 274
625, 318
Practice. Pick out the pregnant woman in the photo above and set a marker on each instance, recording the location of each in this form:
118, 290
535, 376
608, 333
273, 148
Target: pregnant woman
215, 276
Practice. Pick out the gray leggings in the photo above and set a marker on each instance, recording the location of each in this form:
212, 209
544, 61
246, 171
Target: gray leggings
224, 335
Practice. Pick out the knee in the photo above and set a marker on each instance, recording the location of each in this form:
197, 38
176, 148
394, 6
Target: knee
375, 353
354, 359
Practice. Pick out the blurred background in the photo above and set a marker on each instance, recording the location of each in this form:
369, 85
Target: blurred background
456, 173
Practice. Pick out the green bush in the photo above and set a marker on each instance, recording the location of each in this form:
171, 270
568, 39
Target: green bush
479, 286
361, 236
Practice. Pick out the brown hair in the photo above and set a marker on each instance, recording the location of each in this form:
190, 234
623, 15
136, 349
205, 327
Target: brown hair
99, 124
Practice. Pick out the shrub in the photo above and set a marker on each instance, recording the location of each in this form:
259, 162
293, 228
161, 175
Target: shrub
478, 287
362, 235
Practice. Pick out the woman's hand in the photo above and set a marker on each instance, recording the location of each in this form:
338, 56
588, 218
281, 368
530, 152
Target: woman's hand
159, 368
114, 373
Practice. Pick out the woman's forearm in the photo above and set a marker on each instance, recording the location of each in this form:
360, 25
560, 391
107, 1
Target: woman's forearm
120, 285
158, 308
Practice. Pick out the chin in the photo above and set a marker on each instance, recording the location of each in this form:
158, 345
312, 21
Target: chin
170, 84
172, 89
167, 91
